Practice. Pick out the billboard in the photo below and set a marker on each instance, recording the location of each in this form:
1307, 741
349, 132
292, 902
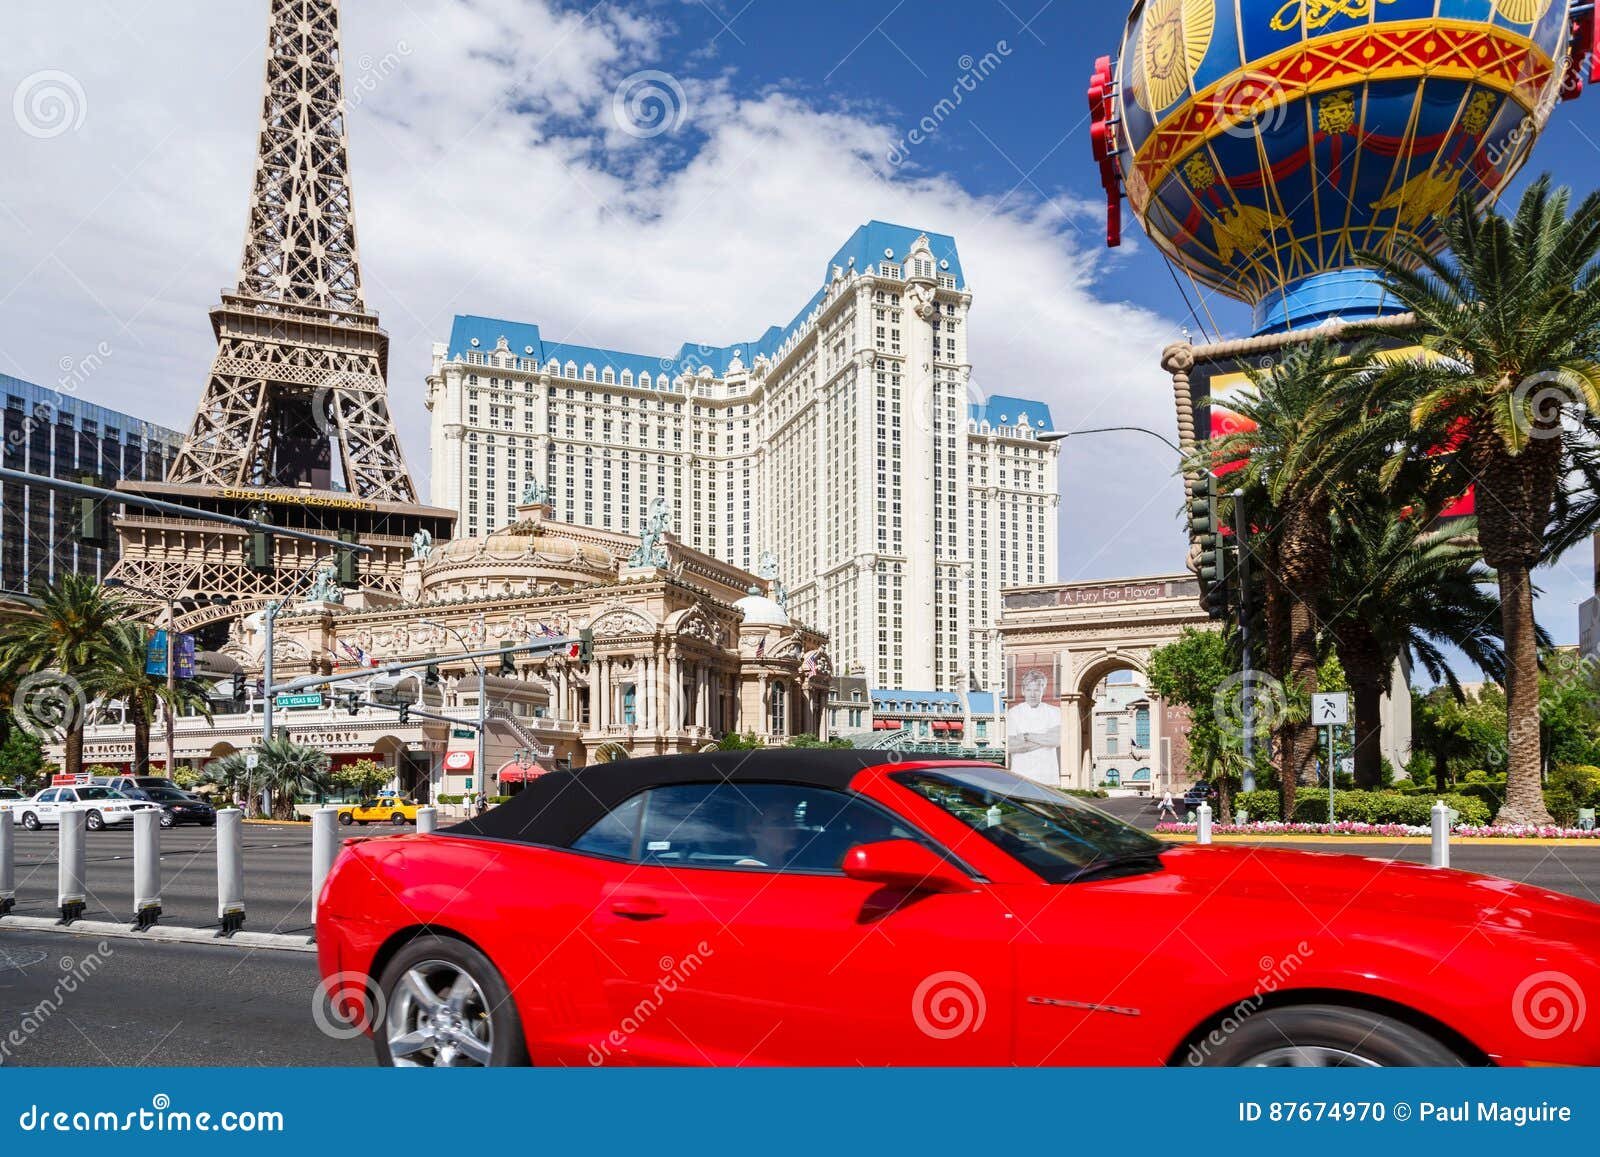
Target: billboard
1033, 716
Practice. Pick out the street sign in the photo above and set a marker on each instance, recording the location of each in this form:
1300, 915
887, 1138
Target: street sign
1330, 709
463, 733
252, 760
290, 702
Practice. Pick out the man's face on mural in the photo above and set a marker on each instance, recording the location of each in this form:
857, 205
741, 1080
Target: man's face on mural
1033, 686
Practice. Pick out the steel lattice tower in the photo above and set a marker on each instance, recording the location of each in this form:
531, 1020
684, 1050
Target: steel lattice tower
298, 387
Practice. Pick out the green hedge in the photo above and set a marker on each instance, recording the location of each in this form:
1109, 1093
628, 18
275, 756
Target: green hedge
1261, 805
1383, 807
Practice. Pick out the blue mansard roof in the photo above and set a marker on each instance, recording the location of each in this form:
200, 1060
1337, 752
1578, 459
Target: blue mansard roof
872, 243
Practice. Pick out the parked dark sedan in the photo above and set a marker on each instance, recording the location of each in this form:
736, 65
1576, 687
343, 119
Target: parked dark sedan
177, 807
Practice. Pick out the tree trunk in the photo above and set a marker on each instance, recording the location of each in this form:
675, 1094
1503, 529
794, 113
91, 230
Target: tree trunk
1365, 668
141, 743
1300, 748
72, 748
1524, 773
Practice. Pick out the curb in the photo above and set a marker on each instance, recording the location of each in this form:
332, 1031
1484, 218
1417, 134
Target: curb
1420, 841
161, 934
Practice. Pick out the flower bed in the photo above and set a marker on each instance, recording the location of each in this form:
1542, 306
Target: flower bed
1353, 828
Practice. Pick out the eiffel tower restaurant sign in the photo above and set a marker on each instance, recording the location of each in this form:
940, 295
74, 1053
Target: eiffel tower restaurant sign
292, 425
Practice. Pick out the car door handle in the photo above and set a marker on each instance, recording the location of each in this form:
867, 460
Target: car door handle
638, 907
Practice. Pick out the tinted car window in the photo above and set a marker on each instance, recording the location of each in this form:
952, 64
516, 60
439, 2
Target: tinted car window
99, 793
614, 832
50, 796
164, 794
771, 826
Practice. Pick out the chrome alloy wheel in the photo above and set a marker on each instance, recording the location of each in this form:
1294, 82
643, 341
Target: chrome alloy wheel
1310, 1057
438, 1018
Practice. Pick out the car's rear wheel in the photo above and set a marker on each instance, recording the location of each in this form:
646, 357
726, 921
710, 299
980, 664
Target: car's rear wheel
446, 1006
167, 819
94, 821
1322, 1036
30, 821
397, 819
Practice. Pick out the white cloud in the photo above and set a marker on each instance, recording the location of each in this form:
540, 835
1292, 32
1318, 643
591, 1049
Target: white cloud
491, 177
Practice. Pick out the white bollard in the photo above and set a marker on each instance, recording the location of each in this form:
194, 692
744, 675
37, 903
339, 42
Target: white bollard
230, 870
146, 868
427, 819
8, 864
324, 847
1203, 825
1242, 818
1441, 836
72, 892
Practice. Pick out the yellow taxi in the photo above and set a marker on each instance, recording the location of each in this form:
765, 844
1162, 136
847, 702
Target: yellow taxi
392, 809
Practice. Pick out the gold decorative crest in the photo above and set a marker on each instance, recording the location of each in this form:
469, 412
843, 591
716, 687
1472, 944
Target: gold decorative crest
1173, 41
1475, 117
1200, 173
1336, 112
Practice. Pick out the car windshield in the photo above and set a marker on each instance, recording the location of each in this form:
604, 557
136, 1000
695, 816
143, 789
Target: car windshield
1059, 837
99, 793
169, 794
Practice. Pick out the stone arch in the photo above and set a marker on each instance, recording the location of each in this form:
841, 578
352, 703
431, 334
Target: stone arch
1087, 673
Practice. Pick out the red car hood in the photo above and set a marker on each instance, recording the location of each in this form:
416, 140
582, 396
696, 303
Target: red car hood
1342, 888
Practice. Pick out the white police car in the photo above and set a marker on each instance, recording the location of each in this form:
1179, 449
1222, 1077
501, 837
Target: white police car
102, 806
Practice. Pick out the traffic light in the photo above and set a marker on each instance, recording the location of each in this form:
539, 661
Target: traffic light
260, 559
405, 714
1205, 530
430, 675
347, 576
238, 687
91, 520
352, 702
508, 661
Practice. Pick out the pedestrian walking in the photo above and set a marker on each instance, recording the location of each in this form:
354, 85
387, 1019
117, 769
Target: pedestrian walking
1167, 808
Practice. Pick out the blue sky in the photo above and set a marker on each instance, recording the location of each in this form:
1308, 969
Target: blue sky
500, 170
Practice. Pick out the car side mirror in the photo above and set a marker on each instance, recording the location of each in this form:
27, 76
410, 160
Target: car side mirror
904, 864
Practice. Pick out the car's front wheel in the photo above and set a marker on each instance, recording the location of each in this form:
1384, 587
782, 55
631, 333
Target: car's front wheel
94, 821
167, 819
1320, 1036
346, 818
446, 1006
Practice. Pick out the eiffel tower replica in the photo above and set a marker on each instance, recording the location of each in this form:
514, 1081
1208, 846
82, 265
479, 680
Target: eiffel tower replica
298, 386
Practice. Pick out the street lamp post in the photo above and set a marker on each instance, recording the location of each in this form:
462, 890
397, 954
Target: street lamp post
483, 716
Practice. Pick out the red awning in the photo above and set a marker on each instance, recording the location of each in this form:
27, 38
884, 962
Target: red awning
881, 725
513, 772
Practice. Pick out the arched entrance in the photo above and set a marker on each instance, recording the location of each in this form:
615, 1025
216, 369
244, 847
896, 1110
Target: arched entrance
1061, 644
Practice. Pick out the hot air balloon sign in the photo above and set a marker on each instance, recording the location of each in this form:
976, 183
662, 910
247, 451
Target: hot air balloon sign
1265, 144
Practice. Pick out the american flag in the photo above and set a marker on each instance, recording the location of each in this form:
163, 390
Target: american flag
353, 653
761, 647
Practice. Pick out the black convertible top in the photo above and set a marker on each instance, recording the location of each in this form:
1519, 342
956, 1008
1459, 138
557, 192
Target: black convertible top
560, 806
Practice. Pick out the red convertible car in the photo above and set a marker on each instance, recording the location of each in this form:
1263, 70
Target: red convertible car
804, 907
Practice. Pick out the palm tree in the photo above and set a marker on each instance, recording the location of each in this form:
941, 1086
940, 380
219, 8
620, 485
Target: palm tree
62, 631
289, 770
1399, 588
1515, 314
1307, 432
232, 775
120, 674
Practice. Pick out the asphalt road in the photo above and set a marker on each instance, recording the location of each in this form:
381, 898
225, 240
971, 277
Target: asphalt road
134, 1003
277, 874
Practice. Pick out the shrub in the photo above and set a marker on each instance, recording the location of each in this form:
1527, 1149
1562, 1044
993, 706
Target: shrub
1259, 805
1572, 787
451, 798
1384, 807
